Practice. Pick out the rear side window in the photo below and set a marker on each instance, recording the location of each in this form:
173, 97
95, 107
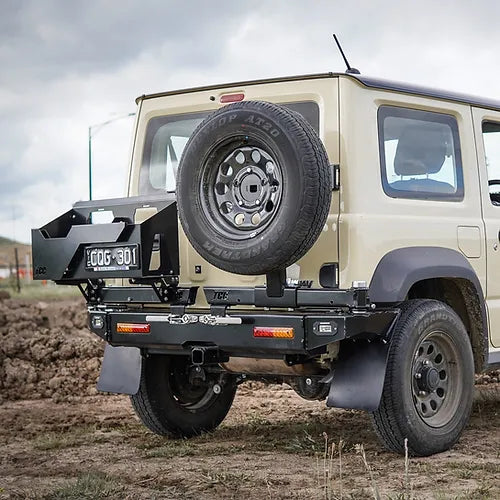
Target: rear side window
419, 154
167, 136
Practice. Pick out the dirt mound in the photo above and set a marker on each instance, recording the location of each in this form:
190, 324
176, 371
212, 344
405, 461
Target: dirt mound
47, 351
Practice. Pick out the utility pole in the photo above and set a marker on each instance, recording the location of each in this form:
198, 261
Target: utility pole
93, 130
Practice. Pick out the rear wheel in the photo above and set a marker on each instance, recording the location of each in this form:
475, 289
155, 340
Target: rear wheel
429, 383
176, 399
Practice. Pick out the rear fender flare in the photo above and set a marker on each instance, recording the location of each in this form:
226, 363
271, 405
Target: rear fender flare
400, 269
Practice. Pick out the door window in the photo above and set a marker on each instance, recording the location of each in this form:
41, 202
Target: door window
491, 140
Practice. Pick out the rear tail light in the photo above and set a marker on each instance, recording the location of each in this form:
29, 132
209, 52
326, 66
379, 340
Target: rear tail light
227, 98
133, 328
273, 332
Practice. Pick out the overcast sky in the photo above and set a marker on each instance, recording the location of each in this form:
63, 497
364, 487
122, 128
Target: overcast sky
65, 65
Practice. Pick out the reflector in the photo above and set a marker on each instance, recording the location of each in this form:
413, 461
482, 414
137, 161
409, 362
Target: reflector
224, 99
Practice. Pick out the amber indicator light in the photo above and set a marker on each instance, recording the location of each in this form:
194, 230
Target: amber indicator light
133, 328
273, 332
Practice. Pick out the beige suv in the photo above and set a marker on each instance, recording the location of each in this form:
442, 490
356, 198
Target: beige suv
335, 232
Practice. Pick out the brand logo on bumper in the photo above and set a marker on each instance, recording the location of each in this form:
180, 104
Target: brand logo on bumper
221, 295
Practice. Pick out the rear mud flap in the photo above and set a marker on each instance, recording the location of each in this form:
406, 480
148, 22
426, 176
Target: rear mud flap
121, 370
357, 380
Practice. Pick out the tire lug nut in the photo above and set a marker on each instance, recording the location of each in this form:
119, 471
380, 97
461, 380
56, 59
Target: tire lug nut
418, 375
422, 393
217, 389
239, 219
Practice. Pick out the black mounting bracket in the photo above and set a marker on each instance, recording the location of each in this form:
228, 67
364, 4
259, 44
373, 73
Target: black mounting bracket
91, 290
276, 283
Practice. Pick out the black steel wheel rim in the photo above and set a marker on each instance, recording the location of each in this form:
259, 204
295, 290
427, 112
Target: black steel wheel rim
188, 395
437, 386
241, 189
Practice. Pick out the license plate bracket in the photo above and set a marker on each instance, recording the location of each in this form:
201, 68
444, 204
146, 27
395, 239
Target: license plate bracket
112, 258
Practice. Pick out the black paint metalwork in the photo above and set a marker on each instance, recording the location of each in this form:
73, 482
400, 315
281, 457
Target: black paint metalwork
59, 246
312, 331
356, 298
157, 293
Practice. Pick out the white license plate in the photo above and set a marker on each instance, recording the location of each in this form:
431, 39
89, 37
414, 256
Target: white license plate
121, 258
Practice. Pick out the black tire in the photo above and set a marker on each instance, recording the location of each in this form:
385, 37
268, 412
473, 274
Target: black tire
253, 188
169, 405
429, 383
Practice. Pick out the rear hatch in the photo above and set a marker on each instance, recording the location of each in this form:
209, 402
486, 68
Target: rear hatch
164, 125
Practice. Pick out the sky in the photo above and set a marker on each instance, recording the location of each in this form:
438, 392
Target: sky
65, 66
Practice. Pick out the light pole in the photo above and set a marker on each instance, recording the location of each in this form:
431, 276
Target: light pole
93, 129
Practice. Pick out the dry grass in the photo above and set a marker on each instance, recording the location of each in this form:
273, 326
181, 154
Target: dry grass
90, 486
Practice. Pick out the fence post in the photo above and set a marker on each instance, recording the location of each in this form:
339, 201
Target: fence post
18, 282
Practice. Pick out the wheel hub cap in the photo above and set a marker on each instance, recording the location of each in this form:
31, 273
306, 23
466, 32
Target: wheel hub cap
429, 379
248, 189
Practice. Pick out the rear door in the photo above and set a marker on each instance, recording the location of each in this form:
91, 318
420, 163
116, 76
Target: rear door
164, 126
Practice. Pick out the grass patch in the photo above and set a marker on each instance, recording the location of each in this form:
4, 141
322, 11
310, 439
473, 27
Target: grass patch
57, 441
90, 486
473, 467
302, 437
226, 479
171, 449
77, 436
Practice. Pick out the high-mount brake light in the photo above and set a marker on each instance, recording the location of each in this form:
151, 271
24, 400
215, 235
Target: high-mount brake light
133, 328
227, 98
273, 332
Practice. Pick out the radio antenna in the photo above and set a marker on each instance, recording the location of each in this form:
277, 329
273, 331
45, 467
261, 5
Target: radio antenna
350, 69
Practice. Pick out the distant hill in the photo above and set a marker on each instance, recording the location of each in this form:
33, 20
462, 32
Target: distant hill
7, 252
8, 241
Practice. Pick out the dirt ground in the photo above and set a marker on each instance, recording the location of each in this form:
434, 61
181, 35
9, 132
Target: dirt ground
60, 440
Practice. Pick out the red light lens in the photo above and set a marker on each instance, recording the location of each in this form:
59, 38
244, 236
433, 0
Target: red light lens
273, 332
133, 328
226, 98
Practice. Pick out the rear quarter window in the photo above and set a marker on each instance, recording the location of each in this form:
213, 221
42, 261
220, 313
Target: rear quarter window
419, 154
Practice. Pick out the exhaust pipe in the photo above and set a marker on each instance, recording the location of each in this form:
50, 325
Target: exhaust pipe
256, 366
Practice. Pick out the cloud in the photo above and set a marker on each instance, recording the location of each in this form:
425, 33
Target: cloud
66, 65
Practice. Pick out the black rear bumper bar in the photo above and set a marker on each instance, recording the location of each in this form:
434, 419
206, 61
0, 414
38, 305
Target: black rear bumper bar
234, 334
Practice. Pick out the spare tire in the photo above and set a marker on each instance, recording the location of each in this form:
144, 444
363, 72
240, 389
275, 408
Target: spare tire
253, 187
